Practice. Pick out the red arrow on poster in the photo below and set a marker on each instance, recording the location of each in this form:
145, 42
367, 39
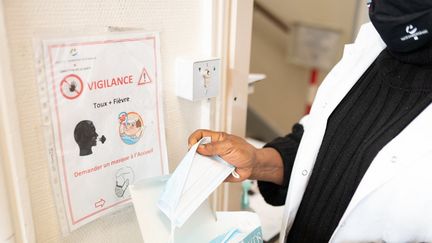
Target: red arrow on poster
100, 203
144, 77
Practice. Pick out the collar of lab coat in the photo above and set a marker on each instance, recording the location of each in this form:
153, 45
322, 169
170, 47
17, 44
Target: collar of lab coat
356, 59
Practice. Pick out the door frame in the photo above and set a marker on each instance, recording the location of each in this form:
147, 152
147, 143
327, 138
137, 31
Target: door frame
233, 30
11, 152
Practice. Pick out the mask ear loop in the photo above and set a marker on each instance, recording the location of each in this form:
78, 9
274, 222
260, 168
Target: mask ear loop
207, 140
235, 174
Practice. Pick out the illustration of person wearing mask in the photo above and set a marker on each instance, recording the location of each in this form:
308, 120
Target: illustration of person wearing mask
124, 177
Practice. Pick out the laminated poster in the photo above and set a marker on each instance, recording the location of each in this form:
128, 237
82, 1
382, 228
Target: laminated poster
103, 95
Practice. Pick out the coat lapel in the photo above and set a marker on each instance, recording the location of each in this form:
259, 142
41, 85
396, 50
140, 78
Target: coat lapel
402, 152
356, 59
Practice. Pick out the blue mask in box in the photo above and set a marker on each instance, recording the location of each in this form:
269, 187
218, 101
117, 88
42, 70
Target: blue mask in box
237, 236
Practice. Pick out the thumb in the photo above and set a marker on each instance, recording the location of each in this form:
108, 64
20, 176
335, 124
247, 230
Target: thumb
215, 148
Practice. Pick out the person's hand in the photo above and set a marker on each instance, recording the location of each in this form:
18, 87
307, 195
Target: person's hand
233, 149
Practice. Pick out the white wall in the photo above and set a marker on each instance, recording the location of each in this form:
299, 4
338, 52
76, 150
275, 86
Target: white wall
362, 16
180, 23
280, 98
6, 230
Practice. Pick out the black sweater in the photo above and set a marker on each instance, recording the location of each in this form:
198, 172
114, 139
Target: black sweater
389, 95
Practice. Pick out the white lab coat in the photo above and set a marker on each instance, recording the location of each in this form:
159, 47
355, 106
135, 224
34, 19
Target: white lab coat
393, 202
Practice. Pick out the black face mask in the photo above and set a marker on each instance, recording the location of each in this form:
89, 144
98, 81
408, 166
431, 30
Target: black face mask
404, 25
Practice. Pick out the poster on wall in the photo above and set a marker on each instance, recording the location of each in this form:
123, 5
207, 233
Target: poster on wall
103, 101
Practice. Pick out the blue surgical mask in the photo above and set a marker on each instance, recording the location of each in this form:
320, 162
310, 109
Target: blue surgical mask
195, 178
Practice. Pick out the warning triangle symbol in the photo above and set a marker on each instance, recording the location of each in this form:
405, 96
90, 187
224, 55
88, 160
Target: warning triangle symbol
144, 77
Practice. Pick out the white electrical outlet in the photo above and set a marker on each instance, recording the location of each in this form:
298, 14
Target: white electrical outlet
198, 79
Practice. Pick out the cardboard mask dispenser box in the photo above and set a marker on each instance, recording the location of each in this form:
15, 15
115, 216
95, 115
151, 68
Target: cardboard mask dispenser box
203, 225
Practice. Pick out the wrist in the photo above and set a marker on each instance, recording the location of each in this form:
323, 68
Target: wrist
268, 166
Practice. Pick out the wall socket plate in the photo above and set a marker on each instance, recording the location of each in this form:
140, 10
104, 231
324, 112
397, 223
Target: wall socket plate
198, 79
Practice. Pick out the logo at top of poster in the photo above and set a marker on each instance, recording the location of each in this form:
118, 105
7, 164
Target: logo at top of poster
71, 87
73, 52
130, 127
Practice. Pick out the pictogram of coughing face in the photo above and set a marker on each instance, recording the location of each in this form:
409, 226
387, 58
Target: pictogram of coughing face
86, 137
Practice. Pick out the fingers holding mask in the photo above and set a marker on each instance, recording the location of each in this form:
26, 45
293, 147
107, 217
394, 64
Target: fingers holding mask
220, 148
198, 134
212, 148
231, 148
